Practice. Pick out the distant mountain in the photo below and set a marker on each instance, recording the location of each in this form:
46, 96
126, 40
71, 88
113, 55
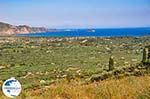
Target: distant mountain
8, 29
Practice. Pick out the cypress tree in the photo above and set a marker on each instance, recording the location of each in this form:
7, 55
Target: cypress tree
111, 63
145, 55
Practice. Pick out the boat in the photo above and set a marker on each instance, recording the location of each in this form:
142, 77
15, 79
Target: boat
91, 30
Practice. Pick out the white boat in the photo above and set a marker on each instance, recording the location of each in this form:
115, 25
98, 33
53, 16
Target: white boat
91, 30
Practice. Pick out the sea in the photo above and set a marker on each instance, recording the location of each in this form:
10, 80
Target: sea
105, 32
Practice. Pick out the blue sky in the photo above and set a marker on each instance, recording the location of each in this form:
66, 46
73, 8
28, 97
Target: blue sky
76, 13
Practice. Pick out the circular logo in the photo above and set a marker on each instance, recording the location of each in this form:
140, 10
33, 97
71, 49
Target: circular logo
11, 88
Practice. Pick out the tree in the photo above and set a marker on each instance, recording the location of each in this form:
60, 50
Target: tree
145, 55
111, 63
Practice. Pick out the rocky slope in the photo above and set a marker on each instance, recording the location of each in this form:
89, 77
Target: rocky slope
7, 29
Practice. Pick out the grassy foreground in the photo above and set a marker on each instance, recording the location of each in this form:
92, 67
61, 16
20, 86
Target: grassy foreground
126, 88
68, 68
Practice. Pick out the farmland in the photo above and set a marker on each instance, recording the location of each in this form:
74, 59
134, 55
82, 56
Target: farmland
76, 64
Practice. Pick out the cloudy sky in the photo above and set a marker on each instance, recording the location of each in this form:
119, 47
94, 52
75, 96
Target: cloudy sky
76, 13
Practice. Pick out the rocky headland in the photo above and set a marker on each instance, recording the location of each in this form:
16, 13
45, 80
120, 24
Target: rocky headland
8, 29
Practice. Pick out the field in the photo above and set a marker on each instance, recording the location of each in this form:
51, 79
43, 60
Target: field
76, 68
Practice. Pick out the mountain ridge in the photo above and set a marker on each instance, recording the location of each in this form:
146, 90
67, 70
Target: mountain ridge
8, 29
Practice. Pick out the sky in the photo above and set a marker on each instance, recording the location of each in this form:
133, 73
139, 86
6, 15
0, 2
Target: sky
76, 13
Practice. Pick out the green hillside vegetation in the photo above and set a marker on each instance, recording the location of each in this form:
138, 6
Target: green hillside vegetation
41, 62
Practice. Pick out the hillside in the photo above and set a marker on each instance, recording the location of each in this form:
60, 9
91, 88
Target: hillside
77, 68
7, 29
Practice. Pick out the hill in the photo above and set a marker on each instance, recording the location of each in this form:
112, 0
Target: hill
8, 29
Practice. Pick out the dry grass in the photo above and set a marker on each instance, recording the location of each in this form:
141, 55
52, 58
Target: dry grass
126, 88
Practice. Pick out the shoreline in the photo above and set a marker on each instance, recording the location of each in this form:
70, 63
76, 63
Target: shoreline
76, 36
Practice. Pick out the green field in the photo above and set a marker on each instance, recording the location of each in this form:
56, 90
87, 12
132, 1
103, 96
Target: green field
38, 62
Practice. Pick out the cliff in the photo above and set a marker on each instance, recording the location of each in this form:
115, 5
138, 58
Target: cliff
7, 29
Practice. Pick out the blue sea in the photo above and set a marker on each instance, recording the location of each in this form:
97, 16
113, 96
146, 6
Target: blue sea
135, 32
